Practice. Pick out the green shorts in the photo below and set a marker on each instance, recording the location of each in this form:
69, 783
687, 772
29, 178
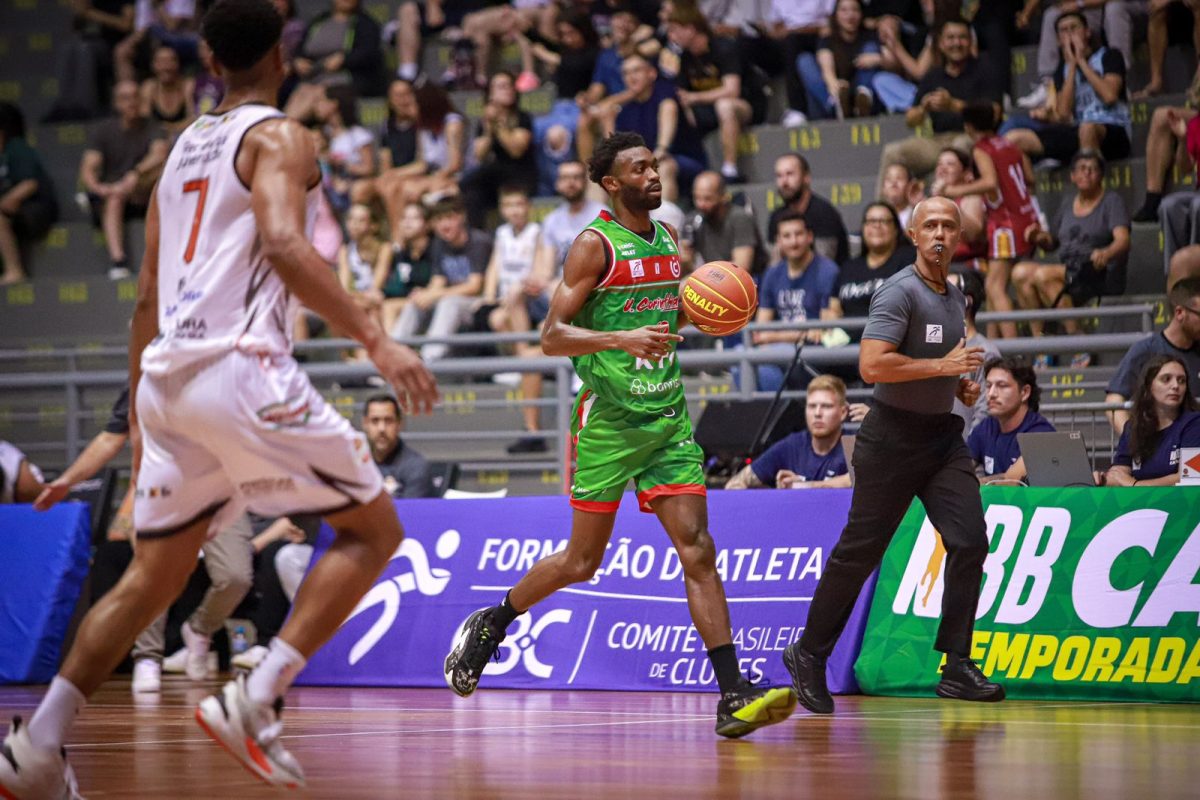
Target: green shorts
614, 444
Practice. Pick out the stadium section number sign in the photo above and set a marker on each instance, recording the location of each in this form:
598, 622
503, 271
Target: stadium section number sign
1087, 594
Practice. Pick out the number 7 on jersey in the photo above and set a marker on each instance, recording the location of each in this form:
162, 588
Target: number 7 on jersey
198, 185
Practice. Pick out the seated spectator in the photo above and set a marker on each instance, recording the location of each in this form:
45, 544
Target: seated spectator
167, 94
20, 479
363, 261
170, 23
715, 89
27, 204
121, 162
84, 64
796, 289
1180, 340
720, 230
460, 257
1005, 181
1166, 146
1179, 214
839, 77
793, 181
1157, 38
1012, 406
340, 47
411, 265
626, 37
1089, 111
1163, 420
573, 60
902, 192
940, 98
508, 294
418, 21
970, 283
1113, 18
503, 150
1091, 234
351, 146
954, 168
791, 27
809, 459
421, 148
405, 471
649, 106
885, 252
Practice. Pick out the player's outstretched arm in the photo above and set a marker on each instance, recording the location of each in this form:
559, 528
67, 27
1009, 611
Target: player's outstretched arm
280, 164
585, 265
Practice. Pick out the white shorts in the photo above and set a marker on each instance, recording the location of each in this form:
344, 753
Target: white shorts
241, 431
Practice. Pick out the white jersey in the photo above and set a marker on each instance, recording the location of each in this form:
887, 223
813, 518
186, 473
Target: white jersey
516, 254
216, 290
11, 460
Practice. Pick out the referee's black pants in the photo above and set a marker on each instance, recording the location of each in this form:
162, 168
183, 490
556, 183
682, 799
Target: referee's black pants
899, 455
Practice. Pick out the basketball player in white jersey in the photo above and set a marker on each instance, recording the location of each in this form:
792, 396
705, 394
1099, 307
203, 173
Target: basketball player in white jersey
227, 418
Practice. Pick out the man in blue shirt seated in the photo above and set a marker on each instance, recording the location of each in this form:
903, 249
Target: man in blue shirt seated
1012, 406
807, 459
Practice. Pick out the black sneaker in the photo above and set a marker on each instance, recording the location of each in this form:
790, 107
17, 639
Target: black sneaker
476, 644
751, 707
527, 444
1147, 213
963, 680
808, 679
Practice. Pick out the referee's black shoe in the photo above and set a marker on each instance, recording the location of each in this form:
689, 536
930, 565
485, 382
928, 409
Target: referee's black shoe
963, 680
808, 679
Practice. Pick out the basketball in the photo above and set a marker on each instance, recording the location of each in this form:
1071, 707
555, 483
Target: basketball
719, 298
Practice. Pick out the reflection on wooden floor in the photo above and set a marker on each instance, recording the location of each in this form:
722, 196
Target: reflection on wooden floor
415, 743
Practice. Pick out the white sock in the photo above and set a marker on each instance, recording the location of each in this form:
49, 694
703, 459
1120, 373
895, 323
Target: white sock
274, 676
54, 717
407, 71
728, 169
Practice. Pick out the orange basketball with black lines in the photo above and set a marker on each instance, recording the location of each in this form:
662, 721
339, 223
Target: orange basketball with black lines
720, 298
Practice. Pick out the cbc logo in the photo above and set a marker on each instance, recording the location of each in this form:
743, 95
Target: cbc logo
521, 645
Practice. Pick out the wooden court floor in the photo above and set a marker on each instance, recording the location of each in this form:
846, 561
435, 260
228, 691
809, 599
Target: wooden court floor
416, 743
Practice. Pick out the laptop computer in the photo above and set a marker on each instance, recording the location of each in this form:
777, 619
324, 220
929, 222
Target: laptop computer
1056, 459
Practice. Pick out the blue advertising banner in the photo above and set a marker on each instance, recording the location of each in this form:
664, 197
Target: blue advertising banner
626, 629
43, 564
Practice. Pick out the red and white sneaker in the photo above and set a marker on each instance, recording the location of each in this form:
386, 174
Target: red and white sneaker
31, 773
250, 733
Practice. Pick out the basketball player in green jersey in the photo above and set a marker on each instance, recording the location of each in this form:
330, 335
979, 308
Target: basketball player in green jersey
615, 314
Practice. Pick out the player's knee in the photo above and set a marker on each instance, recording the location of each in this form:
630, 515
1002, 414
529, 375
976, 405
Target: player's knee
699, 556
580, 567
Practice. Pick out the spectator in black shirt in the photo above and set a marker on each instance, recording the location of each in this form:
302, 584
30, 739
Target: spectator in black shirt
793, 181
405, 471
885, 252
941, 96
712, 89
27, 204
503, 147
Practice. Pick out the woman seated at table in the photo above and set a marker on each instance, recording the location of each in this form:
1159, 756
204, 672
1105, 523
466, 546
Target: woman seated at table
1162, 421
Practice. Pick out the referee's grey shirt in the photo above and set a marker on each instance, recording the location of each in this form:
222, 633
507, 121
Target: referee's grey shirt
922, 324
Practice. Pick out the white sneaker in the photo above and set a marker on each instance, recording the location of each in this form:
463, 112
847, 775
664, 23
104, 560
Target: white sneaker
249, 659
147, 676
793, 118
28, 772
119, 273
250, 733
507, 378
176, 663
1036, 98
197, 645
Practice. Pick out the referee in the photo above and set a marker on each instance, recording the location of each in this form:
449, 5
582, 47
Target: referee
910, 445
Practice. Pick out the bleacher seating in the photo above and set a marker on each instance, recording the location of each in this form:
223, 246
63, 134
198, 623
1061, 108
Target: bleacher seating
69, 302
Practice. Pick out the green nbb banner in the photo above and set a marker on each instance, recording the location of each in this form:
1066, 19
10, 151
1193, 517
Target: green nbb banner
1086, 594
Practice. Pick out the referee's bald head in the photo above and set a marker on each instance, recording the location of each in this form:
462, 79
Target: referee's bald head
935, 228
930, 203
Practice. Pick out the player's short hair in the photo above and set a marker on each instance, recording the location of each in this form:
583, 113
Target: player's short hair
382, 398
601, 162
1022, 373
241, 32
447, 206
1183, 291
790, 215
828, 383
980, 116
